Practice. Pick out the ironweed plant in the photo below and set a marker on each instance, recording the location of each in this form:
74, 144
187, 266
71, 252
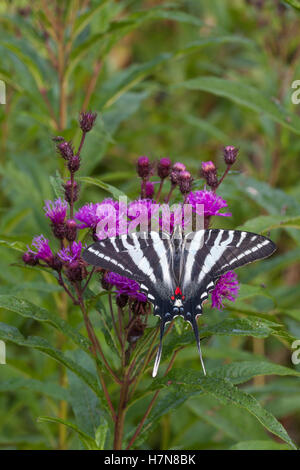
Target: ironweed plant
179, 80
126, 324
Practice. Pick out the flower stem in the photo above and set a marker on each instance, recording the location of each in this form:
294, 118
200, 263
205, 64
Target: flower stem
121, 413
159, 190
223, 177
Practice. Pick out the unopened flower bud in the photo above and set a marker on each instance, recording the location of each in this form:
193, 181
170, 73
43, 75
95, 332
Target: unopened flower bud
87, 121
58, 138
71, 230
29, 259
164, 167
230, 154
121, 300
209, 173
59, 230
74, 164
105, 285
185, 182
149, 189
56, 263
68, 191
176, 170
143, 167
74, 272
65, 149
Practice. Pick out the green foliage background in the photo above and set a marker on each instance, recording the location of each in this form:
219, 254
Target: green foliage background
179, 79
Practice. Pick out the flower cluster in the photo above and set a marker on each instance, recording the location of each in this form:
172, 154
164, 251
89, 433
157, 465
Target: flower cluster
115, 218
227, 287
125, 287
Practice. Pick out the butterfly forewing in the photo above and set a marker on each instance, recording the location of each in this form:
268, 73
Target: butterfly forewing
214, 252
144, 257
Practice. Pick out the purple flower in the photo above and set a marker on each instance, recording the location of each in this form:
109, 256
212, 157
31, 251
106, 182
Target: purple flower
56, 210
227, 287
139, 214
70, 253
211, 201
42, 248
88, 215
125, 286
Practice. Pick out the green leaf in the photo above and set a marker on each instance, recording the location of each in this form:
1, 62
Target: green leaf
14, 244
27, 61
207, 127
100, 435
225, 392
10, 333
259, 445
246, 96
49, 389
273, 200
84, 402
229, 419
242, 371
129, 77
165, 404
84, 19
57, 185
230, 326
87, 441
294, 3
247, 291
29, 310
265, 223
107, 187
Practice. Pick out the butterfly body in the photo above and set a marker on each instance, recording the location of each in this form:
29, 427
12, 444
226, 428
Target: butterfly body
177, 272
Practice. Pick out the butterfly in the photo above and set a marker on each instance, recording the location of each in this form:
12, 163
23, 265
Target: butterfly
178, 271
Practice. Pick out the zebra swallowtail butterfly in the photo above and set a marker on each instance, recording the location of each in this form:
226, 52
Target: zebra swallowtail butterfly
177, 272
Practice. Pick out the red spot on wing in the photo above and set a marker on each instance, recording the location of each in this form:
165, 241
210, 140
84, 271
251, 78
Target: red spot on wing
172, 298
178, 291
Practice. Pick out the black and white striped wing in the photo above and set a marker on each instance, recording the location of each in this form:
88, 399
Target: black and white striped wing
139, 256
208, 254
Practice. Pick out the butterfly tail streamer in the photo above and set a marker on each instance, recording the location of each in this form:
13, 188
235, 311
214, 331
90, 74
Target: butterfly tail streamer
196, 333
159, 351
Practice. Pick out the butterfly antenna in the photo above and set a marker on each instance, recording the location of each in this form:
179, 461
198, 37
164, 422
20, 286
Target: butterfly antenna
159, 351
196, 333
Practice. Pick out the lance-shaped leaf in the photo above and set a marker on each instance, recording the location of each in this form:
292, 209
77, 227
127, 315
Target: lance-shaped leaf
225, 392
247, 96
27, 309
10, 333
